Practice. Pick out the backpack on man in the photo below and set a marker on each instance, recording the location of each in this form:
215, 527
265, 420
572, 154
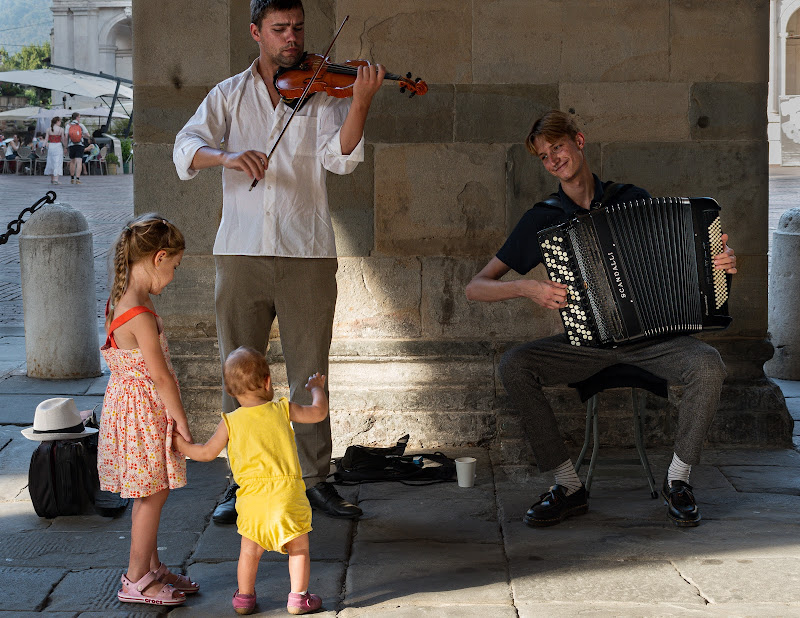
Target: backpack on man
75, 133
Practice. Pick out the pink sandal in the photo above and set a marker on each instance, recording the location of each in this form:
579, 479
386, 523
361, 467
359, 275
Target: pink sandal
182, 583
135, 592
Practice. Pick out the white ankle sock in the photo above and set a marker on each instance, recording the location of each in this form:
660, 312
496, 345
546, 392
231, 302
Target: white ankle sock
678, 470
566, 477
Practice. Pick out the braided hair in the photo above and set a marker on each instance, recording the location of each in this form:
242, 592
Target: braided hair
141, 238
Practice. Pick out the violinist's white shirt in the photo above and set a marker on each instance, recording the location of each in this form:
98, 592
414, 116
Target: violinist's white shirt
287, 213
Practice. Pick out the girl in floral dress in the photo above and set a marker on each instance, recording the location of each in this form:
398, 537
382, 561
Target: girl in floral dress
142, 405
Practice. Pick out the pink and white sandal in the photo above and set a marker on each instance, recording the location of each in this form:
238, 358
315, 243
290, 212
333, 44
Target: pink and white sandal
182, 583
135, 592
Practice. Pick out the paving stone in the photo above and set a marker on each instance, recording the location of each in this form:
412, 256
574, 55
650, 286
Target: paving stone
433, 573
25, 385
456, 520
15, 457
88, 548
218, 583
70, 593
793, 404
764, 479
401, 609
790, 388
19, 409
724, 579
600, 581
24, 589
646, 610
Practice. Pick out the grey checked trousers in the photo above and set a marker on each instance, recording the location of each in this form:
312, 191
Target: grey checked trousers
525, 369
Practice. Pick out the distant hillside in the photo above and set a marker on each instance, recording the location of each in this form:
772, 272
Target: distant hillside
23, 22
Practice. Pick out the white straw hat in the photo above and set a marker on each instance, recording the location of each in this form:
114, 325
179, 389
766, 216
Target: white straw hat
57, 419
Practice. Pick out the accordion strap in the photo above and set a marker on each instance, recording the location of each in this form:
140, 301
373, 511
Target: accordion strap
611, 191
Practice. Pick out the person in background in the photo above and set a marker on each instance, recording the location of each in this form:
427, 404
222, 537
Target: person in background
56, 145
76, 132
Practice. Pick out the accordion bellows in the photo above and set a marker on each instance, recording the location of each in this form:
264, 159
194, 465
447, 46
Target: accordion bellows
638, 270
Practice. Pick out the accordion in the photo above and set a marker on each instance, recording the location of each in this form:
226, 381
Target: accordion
638, 270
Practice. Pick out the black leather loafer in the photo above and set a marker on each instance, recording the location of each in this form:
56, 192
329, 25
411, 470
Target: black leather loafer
324, 497
555, 506
681, 507
225, 513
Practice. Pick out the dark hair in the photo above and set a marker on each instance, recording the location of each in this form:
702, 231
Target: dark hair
552, 126
75, 115
259, 8
54, 120
245, 370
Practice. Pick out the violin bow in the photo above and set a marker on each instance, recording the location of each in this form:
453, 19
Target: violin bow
303, 96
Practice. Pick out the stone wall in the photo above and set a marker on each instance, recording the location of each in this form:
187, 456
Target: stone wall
671, 96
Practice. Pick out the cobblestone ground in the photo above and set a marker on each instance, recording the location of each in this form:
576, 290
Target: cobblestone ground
105, 201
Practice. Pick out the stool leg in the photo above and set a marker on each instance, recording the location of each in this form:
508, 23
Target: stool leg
587, 435
638, 407
595, 445
591, 427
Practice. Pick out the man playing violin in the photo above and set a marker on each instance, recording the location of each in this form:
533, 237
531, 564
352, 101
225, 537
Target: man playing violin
274, 253
524, 370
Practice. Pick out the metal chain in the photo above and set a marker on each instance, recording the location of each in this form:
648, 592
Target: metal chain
15, 226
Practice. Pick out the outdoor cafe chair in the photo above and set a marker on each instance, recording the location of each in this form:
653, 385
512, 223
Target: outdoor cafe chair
100, 161
23, 158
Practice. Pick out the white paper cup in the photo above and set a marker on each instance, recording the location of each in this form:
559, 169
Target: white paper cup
465, 471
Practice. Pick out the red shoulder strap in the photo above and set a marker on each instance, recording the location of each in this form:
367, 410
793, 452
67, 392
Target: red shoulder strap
119, 321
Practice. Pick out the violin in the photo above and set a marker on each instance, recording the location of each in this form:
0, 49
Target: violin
335, 80
315, 74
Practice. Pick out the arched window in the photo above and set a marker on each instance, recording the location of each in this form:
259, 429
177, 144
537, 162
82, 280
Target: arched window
793, 54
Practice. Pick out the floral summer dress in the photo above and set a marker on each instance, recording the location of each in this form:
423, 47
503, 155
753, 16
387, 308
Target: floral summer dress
135, 457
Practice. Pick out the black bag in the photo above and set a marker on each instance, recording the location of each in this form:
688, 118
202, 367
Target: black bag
364, 464
106, 503
60, 478
63, 480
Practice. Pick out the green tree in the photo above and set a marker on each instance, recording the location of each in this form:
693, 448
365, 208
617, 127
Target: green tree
30, 57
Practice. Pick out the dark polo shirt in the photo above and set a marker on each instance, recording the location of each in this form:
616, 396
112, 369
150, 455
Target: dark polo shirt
521, 250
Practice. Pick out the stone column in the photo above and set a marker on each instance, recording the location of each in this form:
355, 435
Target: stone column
784, 298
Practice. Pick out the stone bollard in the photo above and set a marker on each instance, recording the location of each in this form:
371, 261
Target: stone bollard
58, 296
784, 298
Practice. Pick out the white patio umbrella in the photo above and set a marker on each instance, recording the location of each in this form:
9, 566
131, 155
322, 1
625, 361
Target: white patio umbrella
99, 111
66, 81
22, 113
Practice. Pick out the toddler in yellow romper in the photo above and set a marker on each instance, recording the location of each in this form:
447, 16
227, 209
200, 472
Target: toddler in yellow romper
271, 504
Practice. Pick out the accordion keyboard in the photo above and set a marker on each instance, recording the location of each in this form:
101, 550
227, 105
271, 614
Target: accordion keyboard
562, 267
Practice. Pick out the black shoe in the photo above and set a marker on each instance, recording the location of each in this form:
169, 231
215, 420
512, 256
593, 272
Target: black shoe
554, 506
225, 513
681, 507
323, 496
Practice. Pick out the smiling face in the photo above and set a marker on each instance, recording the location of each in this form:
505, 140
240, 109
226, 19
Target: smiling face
563, 157
280, 37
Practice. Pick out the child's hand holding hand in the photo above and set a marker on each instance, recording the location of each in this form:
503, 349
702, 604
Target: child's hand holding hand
182, 430
317, 380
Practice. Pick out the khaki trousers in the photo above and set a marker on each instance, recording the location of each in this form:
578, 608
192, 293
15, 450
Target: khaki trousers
250, 292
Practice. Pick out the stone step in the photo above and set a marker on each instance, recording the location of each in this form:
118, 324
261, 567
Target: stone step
448, 393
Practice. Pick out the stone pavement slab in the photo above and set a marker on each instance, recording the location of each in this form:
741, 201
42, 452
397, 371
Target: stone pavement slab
412, 573
218, 583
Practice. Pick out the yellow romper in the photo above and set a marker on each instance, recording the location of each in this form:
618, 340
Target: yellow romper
271, 501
